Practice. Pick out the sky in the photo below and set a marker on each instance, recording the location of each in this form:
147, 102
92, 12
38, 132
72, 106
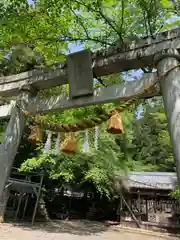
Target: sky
30, 1
75, 47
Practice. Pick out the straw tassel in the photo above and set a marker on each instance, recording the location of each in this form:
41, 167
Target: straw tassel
36, 135
115, 125
69, 145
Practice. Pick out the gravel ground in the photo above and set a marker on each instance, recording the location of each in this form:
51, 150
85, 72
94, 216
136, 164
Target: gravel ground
71, 230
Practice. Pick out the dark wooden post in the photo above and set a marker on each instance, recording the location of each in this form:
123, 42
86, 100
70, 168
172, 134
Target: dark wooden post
131, 212
120, 207
170, 89
11, 141
139, 206
147, 209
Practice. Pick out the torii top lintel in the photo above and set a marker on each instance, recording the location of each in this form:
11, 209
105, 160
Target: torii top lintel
138, 54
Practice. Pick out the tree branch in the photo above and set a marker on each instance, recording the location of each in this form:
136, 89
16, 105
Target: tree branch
98, 11
122, 15
107, 20
81, 22
175, 11
65, 39
73, 39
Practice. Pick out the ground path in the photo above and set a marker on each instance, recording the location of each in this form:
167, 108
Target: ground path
73, 230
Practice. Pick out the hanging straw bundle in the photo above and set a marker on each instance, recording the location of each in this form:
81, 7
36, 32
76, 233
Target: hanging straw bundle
35, 136
69, 145
115, 125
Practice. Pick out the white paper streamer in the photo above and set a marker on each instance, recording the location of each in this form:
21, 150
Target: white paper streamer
96, 137
86, 147
47, 145
57, 144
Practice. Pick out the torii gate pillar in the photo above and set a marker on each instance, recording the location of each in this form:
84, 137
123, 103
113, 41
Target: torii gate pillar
170, 90
11, 141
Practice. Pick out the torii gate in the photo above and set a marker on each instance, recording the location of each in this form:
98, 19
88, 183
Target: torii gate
162, 52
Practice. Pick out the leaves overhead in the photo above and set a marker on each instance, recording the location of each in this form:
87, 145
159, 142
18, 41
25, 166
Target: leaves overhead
50, 25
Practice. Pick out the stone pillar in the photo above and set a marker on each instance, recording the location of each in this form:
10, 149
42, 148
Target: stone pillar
12, 138
170, 90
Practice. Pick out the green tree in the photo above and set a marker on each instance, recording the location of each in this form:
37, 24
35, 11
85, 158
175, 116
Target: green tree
151, 138
50, 25
97, 168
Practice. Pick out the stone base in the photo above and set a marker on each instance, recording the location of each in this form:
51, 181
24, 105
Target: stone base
1, 219
156, 227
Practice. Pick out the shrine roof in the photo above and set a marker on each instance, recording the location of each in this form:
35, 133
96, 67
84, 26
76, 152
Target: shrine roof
152, 180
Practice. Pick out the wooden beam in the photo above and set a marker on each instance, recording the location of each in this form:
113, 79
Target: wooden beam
39, 79
118, 92
5, 111
138, 54
141, 42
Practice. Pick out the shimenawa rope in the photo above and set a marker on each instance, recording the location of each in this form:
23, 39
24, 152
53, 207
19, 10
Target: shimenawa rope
93, 121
